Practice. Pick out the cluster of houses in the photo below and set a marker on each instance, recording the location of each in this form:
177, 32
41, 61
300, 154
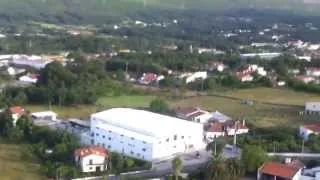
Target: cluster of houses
15, 65
245, 74
152, 78
215, 124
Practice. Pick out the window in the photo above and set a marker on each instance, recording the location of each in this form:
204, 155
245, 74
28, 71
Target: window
138, 154
144, 149
109, 146
143, 142
109, 138
103, 145
198, 120
132, 138
121, 135
159, 142
121, 142
131, 152
110, 131
182, 137
103, 136
92, 134
97, 127
167, 140
90, 168
97, 134
92, 141
174, 146
175, 137
90, 162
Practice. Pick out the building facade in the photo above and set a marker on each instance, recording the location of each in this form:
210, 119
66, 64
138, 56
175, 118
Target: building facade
91, 159
145, 135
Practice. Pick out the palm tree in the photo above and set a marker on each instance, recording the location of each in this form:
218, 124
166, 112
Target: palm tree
176, 167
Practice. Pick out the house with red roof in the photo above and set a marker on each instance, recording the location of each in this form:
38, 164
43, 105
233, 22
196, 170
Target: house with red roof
193, 114
279, 171
148, 78
314, 71
305, 79
214, 130
16, 112
306, 130
91, 159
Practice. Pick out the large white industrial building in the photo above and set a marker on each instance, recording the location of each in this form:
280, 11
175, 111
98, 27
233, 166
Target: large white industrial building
145, 135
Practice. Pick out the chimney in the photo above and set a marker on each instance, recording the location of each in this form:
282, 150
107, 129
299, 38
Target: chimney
287, 160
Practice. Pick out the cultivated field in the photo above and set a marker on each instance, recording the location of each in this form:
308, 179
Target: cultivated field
273, 95
259, 114
12, 165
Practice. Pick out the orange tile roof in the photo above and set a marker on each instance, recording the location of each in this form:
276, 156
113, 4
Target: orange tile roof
187, 110
215, 127
278, 169
85, 151
17, 110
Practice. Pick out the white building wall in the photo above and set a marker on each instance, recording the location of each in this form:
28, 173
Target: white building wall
204, 118
135, 145
311, 72
195, 76
231, 131
297, 176
97, 161
312, 106
212, 135
304, 133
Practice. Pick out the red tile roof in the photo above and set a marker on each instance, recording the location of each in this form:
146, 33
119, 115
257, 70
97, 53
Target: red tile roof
148, 77
85, 151
187, 110
278, 169
17, 110
235, 125
215, 127
313, 127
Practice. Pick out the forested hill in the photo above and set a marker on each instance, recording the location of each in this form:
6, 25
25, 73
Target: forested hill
82, 11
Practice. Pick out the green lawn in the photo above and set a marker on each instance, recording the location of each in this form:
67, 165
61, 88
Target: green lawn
125, 101
273, 95
12, 165
84, 111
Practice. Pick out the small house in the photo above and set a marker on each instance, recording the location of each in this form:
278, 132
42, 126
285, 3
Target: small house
91, 159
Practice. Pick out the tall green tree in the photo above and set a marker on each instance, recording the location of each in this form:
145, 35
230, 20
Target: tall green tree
176, 167
159, 106
253, 157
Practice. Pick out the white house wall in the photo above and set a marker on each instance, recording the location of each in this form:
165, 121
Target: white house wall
97, 161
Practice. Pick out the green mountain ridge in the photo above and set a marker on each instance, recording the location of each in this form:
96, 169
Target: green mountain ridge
65, 11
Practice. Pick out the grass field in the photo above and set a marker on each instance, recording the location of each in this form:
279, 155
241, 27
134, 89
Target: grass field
12, 167
125, 101
272, 95
83, 111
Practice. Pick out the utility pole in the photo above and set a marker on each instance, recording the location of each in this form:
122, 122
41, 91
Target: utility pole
215, 146
235, 135
127, 67
302, 146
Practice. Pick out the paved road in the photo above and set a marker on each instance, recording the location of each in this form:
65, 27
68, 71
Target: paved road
191, 163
